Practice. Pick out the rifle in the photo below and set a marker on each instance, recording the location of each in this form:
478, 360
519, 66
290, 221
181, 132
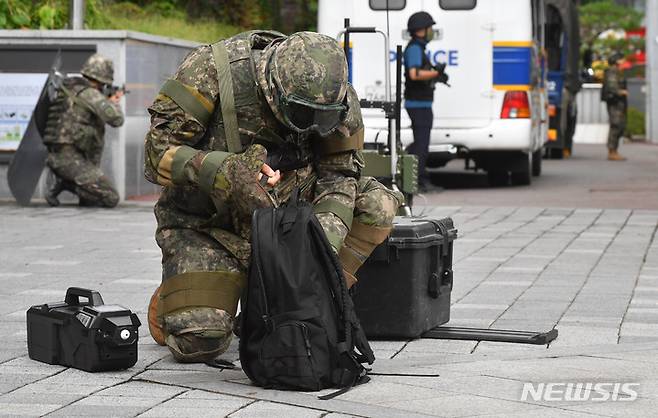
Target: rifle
443, 77
110, 90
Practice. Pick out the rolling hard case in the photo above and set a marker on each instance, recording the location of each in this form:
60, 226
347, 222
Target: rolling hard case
404, 287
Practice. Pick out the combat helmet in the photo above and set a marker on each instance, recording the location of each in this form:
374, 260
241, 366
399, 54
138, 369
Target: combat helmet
419, 20
98, 68
304, 78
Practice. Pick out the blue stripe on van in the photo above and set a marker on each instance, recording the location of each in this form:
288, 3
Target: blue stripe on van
511, 65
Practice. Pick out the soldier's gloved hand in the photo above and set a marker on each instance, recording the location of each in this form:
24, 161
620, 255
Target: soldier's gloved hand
245, 168
237, 187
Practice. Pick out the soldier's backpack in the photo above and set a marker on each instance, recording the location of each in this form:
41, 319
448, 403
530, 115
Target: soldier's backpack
298, 327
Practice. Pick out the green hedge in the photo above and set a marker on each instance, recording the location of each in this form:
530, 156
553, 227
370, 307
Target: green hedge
635, 123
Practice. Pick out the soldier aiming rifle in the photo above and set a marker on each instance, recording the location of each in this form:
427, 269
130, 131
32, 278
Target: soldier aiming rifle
75, 133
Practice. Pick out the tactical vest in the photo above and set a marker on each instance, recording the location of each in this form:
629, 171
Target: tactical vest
72, 121
417, 89
241, 106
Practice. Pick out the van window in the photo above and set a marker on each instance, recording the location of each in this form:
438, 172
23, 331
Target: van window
457, 4
392, 4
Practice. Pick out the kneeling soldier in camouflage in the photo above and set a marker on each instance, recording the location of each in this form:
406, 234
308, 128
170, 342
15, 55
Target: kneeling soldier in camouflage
75, 134
259, 105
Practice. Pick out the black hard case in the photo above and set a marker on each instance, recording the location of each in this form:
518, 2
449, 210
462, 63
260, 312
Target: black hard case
404, 287
85, 336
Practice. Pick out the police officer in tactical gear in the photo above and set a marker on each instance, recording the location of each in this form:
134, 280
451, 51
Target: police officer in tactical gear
614, 92
420, 79
75, 134
243, 123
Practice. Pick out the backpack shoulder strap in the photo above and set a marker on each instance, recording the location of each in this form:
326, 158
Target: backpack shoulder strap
226, 97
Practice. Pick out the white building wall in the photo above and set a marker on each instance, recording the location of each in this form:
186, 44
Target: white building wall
652, 70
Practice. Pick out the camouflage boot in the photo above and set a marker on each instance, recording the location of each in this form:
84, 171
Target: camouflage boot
51, 195
198, 334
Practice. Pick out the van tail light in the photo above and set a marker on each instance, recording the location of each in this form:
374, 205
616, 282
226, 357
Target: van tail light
515, 105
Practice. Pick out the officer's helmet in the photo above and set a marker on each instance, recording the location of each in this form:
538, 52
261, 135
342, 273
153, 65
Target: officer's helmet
419, 20
98, 68
307, 75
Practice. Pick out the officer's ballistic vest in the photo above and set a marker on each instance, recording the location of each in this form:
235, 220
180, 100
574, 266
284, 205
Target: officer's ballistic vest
417, 89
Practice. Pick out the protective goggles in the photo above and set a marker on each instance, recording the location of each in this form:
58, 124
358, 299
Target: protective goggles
304, 116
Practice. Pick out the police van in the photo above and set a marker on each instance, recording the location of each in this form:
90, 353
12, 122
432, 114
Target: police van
495, 112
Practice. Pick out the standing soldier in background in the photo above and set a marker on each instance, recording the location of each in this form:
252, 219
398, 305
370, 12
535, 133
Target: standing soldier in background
75, 134
615, 94
420, 79
242, 123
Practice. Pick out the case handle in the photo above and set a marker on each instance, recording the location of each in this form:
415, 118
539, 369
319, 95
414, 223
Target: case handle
73, 295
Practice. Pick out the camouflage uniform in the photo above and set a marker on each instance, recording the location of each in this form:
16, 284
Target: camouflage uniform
613, 83
204, 225
75, 136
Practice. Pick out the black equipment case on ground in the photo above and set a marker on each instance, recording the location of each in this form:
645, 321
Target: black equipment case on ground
404, 287
86, 335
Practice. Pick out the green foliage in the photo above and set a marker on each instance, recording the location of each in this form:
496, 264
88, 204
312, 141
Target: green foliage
200, 20
18, 14
599, 16
173, 23
635, 122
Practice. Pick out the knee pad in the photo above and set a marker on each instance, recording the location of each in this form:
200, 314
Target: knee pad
197, 310
377, 205
198, 334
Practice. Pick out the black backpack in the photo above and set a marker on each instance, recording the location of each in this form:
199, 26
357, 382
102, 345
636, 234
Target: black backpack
298, 327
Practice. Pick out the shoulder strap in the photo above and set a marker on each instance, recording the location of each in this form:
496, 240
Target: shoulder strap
191, 102
226, 97
75, 97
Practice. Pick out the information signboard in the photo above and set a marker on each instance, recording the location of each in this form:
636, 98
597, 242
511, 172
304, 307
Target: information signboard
18, 97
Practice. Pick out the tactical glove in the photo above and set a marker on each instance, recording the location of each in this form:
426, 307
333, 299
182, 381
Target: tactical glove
442, 77
237, 188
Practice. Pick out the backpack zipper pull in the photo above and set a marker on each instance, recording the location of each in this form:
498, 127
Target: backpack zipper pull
307, 342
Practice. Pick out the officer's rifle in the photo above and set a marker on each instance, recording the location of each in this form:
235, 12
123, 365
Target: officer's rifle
443, 78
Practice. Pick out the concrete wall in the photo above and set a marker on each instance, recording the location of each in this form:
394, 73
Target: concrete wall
142, 62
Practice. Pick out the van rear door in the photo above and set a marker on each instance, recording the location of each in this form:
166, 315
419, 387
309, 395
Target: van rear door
467, 47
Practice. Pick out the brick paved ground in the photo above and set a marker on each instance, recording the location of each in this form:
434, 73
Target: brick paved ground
592, 273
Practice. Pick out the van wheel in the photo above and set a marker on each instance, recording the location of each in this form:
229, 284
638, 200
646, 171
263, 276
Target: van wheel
524, 177
521, 178
536, 163
498, 178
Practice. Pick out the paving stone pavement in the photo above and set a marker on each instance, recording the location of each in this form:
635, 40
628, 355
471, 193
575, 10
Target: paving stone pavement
591, 273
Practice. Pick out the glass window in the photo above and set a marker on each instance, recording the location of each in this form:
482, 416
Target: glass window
392, 4
458, 4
